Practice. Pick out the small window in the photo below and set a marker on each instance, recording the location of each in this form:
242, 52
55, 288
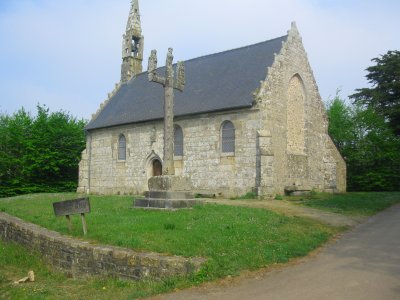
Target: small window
122, 147
228, 137
178, 141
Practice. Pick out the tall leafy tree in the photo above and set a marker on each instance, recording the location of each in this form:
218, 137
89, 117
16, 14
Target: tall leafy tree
368, 144
341, 123
41, 153
15, 131
384, 95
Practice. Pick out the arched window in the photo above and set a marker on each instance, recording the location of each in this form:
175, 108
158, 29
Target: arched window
122, 147
296, 116
178, 141
228, 137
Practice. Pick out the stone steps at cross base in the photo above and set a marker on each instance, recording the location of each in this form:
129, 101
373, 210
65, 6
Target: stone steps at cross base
167, 200
158, 203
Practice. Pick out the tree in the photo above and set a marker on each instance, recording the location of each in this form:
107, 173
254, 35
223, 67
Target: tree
341, 123
14, 133
39, 154
368, 144
375, 160
384, 96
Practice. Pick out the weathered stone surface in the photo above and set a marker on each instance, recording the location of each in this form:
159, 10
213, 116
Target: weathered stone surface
157, 203
281, 141
169, 83
303, 153
170, 183
168, 192
79, 258
133, 45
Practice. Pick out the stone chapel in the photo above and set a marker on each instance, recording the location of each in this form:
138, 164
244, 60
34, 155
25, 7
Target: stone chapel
249, 120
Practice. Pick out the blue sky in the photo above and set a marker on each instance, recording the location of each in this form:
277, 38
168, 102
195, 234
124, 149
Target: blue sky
67, 54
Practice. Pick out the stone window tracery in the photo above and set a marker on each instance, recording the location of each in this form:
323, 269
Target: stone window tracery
122, 147
178, 141
296, 116
228, 137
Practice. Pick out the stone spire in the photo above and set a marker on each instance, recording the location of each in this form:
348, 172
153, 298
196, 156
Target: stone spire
134, 19
132, 45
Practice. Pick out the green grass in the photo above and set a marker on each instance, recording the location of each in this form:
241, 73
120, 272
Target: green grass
15, 263
247, 196
231, 238
352, 204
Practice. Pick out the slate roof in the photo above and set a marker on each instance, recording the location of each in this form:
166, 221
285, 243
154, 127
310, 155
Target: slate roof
215, 82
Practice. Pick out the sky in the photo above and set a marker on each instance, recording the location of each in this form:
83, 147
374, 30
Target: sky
67, 54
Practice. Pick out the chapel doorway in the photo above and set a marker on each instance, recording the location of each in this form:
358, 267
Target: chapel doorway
157, 168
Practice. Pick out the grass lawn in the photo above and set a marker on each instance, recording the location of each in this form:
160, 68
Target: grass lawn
15, 263
231, 238
352, 204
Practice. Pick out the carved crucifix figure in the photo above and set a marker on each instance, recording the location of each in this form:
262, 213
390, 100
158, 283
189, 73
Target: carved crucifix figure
169, 83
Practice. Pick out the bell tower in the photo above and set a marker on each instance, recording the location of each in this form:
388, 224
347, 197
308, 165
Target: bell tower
132, 45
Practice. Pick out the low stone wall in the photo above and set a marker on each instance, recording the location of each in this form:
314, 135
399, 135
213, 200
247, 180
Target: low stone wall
78, 258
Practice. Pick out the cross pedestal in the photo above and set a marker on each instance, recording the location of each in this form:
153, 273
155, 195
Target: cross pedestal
168, 192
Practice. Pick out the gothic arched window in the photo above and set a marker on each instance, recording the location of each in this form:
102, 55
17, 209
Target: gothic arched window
228, 137
178, 141
122, 147
296, 116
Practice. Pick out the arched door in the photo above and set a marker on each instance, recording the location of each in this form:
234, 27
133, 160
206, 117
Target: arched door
157, 168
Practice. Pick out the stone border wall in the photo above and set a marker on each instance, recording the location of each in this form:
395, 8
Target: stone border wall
78, 258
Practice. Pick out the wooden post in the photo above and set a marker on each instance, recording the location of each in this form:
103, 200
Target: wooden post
84, 224
69, 223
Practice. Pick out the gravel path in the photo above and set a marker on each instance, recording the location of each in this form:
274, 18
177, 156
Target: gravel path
291, 209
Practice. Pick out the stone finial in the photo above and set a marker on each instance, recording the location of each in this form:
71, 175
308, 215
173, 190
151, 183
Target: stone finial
170, 56
152, 65
168, 80
152, 69
134, 18
293, 33
180, 76
169, 74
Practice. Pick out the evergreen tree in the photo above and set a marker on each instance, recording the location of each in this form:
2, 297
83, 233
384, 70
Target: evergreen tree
384, 96
39, 154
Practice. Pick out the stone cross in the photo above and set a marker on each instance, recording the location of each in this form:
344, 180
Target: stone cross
169, 83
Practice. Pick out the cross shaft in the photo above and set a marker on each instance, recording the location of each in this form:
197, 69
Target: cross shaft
169, 83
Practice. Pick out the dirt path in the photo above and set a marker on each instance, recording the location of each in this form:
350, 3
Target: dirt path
363, 264
291, 209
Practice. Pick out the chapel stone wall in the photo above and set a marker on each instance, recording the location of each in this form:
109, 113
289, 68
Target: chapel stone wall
300, 151
210, 171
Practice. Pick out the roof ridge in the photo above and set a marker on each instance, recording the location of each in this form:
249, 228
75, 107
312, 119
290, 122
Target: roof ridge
219, 53
236, 49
